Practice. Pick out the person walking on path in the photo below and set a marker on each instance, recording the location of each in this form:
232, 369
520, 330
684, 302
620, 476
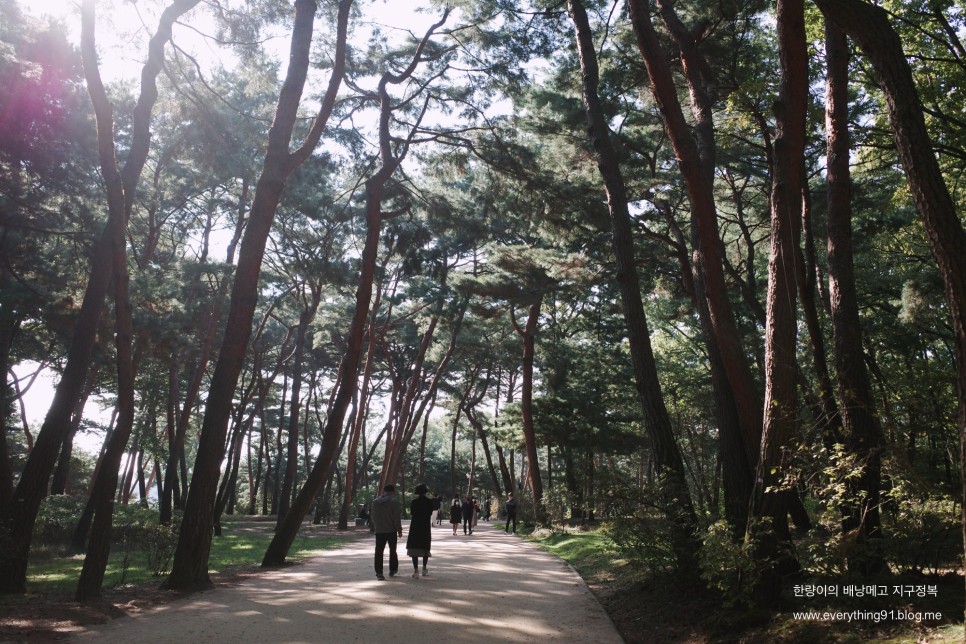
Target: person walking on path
467, 511
455, 515
420, 537
511, 513
439, 509
386, 520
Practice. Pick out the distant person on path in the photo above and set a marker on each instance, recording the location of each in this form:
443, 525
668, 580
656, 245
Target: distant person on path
468, 514
511, 513
420, 529
439, 509
455, 515
476, 512
387, 524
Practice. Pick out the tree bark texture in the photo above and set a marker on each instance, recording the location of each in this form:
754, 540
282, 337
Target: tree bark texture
869, 27
18, 521
190, 567
676, 497
768, 516
349, 369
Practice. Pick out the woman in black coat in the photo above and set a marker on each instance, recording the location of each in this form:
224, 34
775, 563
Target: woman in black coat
420, 529
455, 515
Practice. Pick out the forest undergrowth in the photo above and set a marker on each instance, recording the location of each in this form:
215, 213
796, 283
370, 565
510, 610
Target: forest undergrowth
652, 604
48, 612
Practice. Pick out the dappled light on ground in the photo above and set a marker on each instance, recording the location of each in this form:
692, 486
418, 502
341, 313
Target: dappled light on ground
483, 587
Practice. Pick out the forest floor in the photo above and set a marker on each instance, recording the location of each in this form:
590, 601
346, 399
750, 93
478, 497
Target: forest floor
484, 587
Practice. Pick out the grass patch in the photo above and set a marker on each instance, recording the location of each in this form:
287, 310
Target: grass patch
634, 597
232, 550
592, 554
56, 573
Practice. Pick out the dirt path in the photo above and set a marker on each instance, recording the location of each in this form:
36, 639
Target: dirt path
484, 587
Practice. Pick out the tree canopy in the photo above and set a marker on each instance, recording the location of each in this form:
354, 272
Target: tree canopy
679, 268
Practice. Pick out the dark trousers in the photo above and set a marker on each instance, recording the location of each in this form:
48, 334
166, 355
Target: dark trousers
512, 516
382, 538
468, 524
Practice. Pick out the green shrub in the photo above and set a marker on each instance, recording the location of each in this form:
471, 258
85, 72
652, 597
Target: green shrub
137, 529
922, 531
57, 519
556, 504
725, 563
639, 531
526, 512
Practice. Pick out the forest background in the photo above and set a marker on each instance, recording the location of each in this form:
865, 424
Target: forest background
689, 271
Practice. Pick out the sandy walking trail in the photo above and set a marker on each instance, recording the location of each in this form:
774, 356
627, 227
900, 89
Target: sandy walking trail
484, 587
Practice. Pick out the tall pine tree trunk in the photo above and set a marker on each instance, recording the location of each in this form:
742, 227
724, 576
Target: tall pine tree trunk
869, 27
861, 425
675, 496
19, 516
301, 339
190, 567
768, 515
349, 369
528, 337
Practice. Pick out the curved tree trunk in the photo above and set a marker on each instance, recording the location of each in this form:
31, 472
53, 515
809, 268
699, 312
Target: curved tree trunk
190, 567
349, 370
696, 159
59, 484
676, 498
291, 461
288, 527
19, 520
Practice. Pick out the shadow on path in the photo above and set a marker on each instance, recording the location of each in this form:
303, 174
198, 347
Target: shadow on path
483, 587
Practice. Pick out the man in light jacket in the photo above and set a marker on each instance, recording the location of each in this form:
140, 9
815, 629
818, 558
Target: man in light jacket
386, 520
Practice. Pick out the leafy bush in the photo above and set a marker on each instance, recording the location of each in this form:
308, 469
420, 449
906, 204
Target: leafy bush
725, 563
57, 519
639, 531
556, 504
526, 511
137, 529
922, 530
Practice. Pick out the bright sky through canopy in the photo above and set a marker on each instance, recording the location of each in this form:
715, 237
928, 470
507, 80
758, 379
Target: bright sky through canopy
124, 26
